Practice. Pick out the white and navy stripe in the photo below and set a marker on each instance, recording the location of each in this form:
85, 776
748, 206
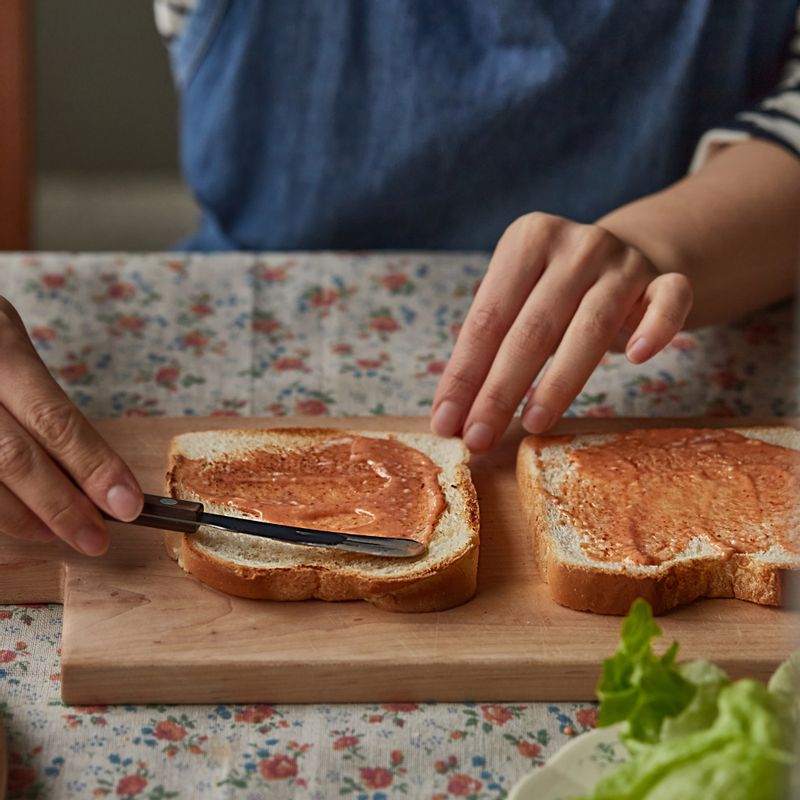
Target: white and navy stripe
776, 118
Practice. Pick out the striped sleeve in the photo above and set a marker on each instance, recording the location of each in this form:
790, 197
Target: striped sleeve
776, 118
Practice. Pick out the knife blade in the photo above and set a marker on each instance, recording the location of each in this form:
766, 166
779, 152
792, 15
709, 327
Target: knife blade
186, 516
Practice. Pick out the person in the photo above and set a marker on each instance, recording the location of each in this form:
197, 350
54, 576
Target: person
561, 131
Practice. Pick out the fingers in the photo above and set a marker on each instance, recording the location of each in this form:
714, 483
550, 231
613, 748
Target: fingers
591, 331
668, 301
54, 467
513, 271
19, 521
33, 478
552, 285
602, 313
528, 344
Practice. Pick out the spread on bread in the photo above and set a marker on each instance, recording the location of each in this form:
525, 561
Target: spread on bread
645, 495
352, 484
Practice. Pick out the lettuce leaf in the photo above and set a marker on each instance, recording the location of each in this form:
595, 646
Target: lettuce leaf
692, 733
637, 686
743, 755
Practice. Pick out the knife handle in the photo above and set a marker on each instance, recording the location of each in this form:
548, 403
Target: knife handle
168, 514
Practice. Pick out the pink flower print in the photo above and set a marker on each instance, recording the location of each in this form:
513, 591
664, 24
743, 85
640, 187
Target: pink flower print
266, 325
683, 342
273, 274
396, 758
342, 349
121, 290
131, 322
195, 339
725, 379
654, 386
587, 717
375, 777
394, 281
599, 411
169, 731
202, 309
131, 785
43, 333
286, 363
279, 767
53, 280
369, 363
73, 372
324, 297
166, 376
528, 749
436, 367
345, 742
7, 656
463, 785
496, 714
384, 322
255, 713
310, 405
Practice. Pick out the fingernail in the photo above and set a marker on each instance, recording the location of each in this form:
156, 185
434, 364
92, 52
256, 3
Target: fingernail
536, 419
639, 350
479, 437
123, 502
90, 541
447, 419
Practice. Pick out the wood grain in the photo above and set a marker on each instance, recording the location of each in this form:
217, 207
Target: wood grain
137, 629
16, 128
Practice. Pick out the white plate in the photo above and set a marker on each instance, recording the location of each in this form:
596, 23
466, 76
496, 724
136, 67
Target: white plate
575, 768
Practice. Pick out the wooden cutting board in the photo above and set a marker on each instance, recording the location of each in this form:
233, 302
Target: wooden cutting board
137, 629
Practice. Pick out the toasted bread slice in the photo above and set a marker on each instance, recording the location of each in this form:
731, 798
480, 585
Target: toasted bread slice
578, 579
247, 566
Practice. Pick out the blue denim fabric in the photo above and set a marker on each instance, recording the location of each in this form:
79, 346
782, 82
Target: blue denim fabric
355, 124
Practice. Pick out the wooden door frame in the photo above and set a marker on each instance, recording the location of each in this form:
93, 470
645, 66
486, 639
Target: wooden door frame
16, 124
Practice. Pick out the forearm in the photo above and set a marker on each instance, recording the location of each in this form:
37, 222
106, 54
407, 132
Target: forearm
733, 228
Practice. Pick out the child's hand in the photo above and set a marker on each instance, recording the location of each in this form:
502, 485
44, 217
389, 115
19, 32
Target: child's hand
558, 288
43, 440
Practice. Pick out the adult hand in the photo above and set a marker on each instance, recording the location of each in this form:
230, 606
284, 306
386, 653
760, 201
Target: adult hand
54, 467
553, 287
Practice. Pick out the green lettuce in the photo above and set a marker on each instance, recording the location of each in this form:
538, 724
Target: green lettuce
638, 687
690, 731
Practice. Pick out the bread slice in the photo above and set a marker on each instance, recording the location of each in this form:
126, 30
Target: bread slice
247, 566
578, 580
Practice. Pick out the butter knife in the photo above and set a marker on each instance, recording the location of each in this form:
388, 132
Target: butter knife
187, 516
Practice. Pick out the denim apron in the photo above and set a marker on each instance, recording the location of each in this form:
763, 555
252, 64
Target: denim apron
370, 124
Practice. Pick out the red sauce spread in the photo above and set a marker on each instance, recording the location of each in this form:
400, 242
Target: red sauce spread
351, 484
643, 496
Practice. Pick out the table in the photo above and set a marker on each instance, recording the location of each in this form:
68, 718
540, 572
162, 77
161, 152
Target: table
280, 334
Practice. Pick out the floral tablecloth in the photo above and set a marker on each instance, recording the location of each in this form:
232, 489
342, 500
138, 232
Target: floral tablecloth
302, 334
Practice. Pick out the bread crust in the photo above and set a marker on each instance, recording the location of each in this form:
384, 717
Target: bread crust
451, 583
612, 589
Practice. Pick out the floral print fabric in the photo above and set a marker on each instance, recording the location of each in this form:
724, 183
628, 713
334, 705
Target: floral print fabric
342, 334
